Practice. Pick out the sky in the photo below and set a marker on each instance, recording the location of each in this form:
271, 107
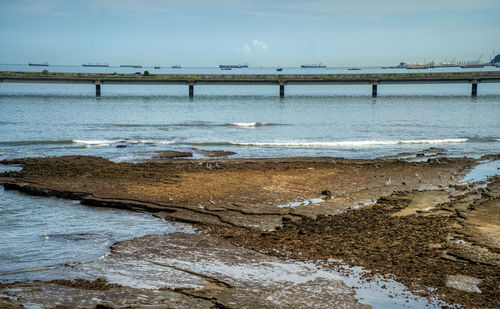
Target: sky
206, 33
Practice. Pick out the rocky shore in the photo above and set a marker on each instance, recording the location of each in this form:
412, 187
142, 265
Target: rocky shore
411, 221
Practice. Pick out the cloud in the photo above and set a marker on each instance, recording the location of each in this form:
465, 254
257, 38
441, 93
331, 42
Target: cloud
259, 44
245, 50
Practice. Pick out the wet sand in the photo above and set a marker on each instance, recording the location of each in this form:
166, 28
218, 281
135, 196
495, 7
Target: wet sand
408, 220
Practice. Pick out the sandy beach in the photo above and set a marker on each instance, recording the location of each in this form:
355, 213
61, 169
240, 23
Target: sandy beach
410, 221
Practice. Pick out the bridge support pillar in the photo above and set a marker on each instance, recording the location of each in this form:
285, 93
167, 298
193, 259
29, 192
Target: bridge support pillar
191, 91
282, 90
374, 90
474, 89
98, 90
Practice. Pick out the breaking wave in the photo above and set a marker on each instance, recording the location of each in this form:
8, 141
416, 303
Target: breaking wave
89, 143
36, 142
353, 144
248, 124
93, 143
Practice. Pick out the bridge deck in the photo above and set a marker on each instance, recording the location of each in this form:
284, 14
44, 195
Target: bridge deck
254, 79
373, 79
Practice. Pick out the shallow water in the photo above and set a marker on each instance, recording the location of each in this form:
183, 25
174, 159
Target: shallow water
482, 171
187, 261
41, 233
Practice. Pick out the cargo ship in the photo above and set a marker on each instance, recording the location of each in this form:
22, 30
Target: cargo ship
402, 65
45, 64
233, 66
99, 65
447, 65
418, 66
137, 66
313, 66
472, 66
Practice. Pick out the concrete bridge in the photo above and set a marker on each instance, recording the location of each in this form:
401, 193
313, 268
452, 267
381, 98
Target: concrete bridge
281, 80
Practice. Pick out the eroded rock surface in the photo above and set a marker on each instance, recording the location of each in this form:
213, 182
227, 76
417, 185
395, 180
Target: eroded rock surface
448, 243
233, 193
188, 271
408, 219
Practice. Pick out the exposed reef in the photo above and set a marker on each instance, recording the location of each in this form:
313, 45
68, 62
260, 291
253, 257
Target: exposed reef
410, 220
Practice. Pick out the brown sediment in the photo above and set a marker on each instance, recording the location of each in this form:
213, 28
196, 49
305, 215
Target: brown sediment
417, 224
422, 249
216, 153
237, 193
169, 154
98, 284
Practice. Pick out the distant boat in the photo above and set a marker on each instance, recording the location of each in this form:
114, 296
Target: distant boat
472, 66
177, 66
279, 69
402, 65
313, 66
137, 66
233, 66
100, 65
447, 65
226, 68
45, 64
417, 66
157, 67
354, 69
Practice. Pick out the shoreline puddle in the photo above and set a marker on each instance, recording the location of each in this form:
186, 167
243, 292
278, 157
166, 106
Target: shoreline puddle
10, 168
381, 292
306, 202
482, 171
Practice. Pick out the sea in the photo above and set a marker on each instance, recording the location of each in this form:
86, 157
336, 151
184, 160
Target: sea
131, 123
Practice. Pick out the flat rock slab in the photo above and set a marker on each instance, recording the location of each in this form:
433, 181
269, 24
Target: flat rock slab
51, 295
190, 271
233, 193
463, 283
169, 154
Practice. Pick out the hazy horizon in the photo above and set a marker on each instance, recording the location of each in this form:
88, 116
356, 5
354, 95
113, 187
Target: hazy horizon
196, 33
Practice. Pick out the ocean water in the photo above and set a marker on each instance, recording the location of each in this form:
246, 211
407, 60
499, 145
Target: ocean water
340, 121
132, 123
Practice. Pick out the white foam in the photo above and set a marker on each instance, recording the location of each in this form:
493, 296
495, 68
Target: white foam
248, 124
95, 142
150, 141
352, 143
91, 143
